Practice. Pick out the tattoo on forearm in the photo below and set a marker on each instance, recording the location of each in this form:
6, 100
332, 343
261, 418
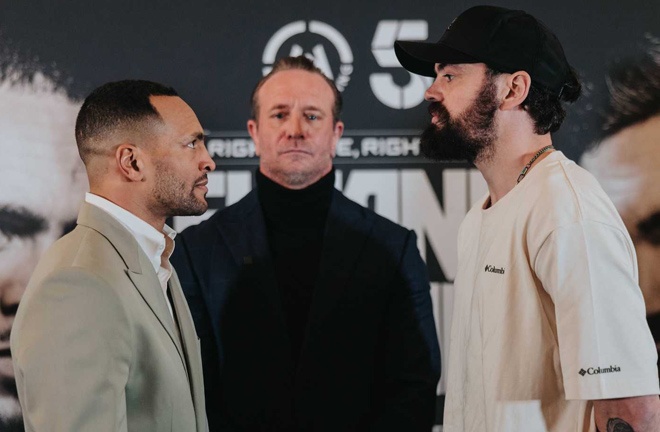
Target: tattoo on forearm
618, 425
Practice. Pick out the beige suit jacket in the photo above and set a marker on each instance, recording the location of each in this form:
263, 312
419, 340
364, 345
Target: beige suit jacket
94, 345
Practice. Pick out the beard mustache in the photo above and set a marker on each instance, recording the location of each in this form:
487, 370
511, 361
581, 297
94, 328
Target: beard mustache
468, 137
173, 196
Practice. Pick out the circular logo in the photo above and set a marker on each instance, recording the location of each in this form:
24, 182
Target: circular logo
319, 42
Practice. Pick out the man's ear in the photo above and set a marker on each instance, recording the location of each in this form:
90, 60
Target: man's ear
517, 87
338, 131
252, 128
129, 162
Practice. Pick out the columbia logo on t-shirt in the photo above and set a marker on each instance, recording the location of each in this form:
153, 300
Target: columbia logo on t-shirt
598, 371
492, 269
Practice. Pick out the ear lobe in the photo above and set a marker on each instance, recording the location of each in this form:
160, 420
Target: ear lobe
252, 130
338, 132
517, 85
339, 129
128, 163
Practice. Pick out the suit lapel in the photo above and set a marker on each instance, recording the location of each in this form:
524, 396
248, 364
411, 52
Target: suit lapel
190, 344
346, 232
139, 269
245, 232
245, 235
149, 288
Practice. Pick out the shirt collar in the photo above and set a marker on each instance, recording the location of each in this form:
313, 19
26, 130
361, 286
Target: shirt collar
152, 241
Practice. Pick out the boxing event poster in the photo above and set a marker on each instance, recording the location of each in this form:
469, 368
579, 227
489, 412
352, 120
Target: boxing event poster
213, 53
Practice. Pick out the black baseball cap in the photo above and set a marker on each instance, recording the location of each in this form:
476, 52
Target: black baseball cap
506, 40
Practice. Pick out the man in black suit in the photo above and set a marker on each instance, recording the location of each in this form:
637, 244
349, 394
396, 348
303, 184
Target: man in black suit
314, 313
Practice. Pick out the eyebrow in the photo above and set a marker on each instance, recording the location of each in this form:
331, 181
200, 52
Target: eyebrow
21, 222
305, 108
441, 66
279, 107
197, 136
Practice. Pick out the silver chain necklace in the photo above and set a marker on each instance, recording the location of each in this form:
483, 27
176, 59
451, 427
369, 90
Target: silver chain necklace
523, 173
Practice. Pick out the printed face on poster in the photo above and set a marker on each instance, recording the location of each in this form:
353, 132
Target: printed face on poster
378, 160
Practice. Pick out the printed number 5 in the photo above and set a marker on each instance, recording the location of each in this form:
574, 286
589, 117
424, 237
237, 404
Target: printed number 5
382, 46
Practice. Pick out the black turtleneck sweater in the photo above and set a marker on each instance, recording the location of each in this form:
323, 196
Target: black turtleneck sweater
295, 224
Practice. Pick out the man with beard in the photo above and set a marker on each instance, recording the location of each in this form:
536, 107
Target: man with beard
103, 338
548, 330
314, 313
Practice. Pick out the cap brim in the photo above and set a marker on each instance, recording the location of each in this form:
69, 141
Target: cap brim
421, 57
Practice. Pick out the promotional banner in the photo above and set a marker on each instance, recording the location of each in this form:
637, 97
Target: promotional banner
52, 54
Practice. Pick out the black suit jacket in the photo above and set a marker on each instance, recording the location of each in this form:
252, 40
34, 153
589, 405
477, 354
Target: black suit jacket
370, 359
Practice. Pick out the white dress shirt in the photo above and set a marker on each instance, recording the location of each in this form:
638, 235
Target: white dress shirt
157, 245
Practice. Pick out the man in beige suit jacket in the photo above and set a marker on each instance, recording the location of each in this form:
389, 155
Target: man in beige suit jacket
103, 338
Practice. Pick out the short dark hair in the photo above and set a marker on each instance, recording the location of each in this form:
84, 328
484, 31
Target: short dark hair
546, 109
115, 106
296, 63
633, 86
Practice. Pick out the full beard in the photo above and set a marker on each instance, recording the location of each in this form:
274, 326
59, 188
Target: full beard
174, 198
468, 137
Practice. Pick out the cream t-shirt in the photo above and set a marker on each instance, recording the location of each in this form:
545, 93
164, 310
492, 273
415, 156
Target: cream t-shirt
547, 312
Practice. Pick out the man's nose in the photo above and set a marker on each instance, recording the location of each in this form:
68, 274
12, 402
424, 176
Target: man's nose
294, 128
206, 164
434, 92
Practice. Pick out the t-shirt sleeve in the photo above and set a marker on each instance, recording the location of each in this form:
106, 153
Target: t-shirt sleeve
605, 346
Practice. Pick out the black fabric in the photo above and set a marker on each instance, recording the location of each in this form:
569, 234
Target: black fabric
369, 359
506, 40
295, 222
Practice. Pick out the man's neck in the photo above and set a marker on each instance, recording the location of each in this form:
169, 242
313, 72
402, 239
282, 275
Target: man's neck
132, 204
512, 153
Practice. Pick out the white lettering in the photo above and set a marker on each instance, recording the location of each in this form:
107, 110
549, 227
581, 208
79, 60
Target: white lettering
422, 212
442, 296
369, 146
231, 148
382, 84
345, 147
382, 185
389, 146
239, 183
